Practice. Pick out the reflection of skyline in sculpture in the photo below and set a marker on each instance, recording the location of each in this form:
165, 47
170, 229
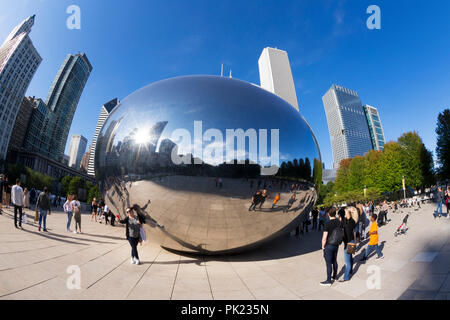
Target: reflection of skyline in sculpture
204, 207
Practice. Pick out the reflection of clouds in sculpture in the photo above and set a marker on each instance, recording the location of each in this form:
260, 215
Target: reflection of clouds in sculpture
203, 202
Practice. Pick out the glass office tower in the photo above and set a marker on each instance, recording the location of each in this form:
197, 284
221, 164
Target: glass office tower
19, 61
62, 100
375, 127
347, 124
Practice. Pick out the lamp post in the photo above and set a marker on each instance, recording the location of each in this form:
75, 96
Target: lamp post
404, 187
365, 192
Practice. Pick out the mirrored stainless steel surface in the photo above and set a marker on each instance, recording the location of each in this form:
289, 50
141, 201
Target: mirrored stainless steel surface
186, 183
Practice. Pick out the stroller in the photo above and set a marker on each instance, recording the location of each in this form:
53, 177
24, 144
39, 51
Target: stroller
403, 228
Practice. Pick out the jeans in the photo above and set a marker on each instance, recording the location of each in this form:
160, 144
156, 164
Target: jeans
314, 224
330, 254
321, 224
43, 218
69, 219
17, 209
348, 258
369, 250
133, 243
439, 207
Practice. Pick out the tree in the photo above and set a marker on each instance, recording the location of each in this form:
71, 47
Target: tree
443, 144
94, 192
65, 182
415, 160
342, 178
75, 184
390, 171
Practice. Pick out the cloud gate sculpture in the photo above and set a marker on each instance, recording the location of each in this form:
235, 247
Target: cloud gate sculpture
216, 165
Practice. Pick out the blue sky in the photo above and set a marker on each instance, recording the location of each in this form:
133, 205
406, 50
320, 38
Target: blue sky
402, 69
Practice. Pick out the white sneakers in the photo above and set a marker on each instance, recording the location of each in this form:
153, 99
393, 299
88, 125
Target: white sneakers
132, 261
137, 261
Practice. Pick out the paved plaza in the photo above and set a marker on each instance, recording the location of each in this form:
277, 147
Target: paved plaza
34, 265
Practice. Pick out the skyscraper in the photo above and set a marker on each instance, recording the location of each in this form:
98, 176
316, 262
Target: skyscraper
19, 61
347, 124
104, 112
85, 161
276, 76
76, 150
22, 123
375, 127
62, 100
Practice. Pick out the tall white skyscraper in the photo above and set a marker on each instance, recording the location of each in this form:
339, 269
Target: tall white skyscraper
276, 76
375, 127
104, 113
19, 61
77, 148
347, 124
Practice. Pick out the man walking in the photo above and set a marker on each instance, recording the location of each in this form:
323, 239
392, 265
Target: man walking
331, 239
373, 241
17, 201
439, 198
43, 207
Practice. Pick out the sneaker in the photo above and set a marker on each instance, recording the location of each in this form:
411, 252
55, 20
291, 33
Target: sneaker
325, 283
132, 261
75, 231
68, 230
137, 261
45, 230
382, 257
39, 229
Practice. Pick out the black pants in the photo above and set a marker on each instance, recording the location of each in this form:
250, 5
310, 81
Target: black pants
253, 206
19, 209
330, 254
106, 217
314, 224
112, 218
133, 243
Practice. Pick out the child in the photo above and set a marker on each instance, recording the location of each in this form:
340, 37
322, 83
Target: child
373, 241
277, 198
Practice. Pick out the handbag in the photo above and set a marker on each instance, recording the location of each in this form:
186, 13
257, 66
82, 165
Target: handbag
351, 248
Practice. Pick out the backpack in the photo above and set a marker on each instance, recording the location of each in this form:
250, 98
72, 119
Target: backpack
76, 209
337, 236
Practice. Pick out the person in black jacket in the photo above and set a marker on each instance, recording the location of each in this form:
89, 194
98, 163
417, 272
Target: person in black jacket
330, 249
133, 229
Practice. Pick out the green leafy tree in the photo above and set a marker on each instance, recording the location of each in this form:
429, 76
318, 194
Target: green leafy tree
65, 182
443, 144
94, 192
75, 184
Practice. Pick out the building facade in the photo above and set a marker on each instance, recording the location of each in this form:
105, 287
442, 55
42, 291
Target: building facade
276, 76
347, 124
22, 123
62, 100
19, 61
104, 112
77, 148
375, 127
85, 161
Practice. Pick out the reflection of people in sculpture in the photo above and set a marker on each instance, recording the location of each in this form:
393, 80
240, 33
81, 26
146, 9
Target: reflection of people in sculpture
277, 198
263, 198
142, 214
290, 203
255, 200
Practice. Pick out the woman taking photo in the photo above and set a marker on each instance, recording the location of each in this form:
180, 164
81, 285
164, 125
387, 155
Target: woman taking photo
133, 228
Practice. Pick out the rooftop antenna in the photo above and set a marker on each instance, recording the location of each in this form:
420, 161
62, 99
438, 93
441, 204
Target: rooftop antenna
230, 74
221, 70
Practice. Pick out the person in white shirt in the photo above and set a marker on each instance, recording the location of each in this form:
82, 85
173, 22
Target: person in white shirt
17, 200
69, 211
